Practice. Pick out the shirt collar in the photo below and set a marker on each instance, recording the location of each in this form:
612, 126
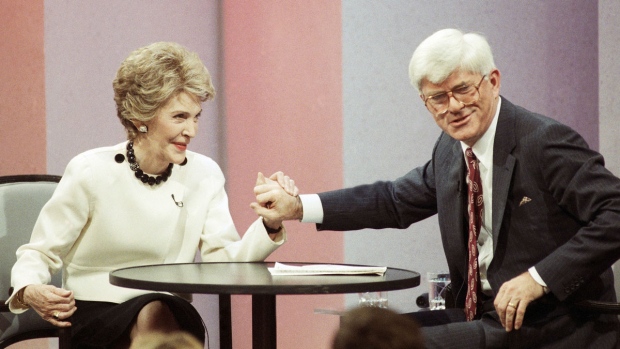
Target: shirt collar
483, 148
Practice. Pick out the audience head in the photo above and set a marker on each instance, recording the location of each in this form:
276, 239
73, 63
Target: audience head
160, 340
377, 328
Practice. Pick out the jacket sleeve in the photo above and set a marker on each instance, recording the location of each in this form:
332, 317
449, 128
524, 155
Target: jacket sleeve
383, 204
58, 226
220, 241
577, 179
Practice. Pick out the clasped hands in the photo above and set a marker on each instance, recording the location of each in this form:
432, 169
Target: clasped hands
513, 298
277, 199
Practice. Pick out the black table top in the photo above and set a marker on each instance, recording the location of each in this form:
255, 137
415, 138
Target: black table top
254, 278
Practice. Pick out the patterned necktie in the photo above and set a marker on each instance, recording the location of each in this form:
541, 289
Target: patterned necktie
475, 209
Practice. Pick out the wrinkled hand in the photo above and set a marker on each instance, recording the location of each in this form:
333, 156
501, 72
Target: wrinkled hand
287, 183
48, 300
513, 298
276, 199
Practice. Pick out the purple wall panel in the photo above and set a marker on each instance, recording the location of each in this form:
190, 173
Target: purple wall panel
85, 42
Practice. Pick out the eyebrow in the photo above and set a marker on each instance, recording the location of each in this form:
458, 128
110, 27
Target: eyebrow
184, 112
460, 84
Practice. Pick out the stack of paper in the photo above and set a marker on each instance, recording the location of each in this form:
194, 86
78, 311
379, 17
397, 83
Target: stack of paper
324, 269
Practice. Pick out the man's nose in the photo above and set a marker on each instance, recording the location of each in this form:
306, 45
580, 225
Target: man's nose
454, 105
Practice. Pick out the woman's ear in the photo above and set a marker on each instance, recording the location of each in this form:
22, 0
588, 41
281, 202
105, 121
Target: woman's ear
142, 128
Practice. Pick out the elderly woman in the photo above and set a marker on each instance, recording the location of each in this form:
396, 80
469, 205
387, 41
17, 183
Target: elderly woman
145, 201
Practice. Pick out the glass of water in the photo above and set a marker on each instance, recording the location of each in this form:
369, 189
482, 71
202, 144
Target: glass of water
373, 299
437, 283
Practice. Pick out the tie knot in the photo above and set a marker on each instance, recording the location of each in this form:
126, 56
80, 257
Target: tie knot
472, 161
469, 153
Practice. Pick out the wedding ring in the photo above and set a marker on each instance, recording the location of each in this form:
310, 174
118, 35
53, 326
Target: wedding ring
55, 315
512, 305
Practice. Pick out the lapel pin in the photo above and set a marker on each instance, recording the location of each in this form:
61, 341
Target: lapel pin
524, 201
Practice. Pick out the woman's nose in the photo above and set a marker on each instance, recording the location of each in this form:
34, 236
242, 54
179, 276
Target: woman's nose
190, 129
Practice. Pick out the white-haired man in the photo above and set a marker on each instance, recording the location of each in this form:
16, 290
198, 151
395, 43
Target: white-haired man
528, 213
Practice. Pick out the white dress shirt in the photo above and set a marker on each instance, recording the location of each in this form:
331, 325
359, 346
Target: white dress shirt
483, 149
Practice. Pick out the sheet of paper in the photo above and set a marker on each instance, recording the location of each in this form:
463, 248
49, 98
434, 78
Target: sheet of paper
324, 269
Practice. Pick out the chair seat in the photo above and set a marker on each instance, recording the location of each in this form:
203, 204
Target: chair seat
27, 325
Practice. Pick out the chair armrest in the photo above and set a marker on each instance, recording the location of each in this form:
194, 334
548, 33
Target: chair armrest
598, 307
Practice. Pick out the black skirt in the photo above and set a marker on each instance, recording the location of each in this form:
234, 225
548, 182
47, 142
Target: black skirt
100, 324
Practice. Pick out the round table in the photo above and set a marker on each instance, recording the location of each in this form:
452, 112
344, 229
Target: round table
253, 278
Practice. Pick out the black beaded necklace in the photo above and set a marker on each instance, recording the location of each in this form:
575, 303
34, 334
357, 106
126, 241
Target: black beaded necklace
145, 178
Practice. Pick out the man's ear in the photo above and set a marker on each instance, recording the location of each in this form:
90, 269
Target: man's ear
495, 80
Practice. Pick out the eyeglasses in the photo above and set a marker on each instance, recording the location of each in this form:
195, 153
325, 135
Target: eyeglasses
467, 95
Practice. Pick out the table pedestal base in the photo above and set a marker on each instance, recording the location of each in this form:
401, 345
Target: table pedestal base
225, 322
263, 322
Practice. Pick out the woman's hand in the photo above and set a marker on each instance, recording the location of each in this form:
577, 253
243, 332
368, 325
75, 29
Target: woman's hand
53, 304
271, 223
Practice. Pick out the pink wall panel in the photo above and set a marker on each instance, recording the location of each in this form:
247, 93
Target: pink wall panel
22, 88
283, 97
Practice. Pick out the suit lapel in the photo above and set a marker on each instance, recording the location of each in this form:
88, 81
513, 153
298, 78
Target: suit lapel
503, 164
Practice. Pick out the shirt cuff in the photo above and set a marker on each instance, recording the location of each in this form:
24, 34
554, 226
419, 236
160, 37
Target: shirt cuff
313, 208
538, 279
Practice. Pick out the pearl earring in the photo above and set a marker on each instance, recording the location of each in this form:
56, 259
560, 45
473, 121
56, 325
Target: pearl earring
142, 129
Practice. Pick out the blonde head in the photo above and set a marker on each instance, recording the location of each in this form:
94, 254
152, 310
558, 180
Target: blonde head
152, 75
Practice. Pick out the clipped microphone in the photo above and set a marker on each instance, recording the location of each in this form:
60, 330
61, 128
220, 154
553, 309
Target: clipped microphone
178, 203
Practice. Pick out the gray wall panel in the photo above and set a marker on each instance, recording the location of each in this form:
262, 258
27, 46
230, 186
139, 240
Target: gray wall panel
609, 67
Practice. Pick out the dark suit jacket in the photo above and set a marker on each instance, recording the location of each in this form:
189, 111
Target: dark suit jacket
569, 229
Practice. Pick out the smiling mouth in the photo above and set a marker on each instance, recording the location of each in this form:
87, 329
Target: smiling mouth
460, 121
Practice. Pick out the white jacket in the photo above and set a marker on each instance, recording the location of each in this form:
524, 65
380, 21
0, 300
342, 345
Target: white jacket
101, 217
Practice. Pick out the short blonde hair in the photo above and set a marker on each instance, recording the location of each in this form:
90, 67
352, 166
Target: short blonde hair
150, 76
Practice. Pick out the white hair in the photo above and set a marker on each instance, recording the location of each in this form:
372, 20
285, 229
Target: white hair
446, 51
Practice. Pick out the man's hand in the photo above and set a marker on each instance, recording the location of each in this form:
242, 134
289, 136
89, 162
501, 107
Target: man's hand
287, 183
513, 298
53, 304
273, 202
